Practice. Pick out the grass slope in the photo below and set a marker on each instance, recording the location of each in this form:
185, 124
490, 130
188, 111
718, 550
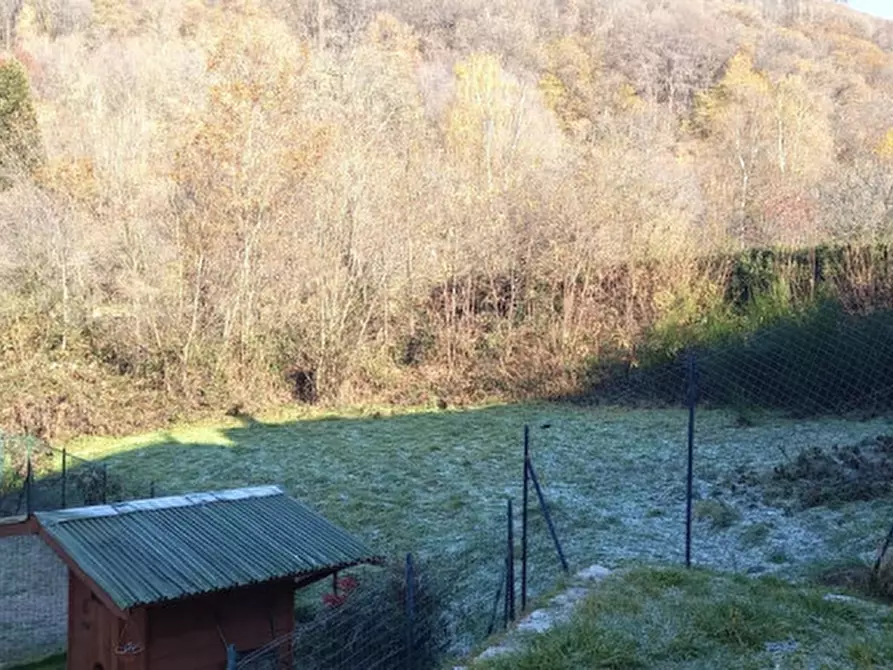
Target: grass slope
672, 618
435, 483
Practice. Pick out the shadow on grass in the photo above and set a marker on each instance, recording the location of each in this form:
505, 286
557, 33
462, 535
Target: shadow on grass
370, 473
433, 484
819, 361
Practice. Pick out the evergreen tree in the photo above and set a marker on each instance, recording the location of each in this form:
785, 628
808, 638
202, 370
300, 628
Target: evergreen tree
20, 143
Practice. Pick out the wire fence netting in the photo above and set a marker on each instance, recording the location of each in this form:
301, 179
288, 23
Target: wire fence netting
783, 389
416, 612
785, 381
35, 477
33, 601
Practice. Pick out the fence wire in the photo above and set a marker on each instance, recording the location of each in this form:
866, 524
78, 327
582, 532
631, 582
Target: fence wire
387, 617
33, 581
396, 616
33, 601
789, 377
58, 479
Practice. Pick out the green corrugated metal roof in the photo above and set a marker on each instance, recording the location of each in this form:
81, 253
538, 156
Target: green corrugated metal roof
148, 551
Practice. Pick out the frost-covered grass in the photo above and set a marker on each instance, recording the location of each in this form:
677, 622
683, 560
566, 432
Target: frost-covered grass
673, 618
435, 483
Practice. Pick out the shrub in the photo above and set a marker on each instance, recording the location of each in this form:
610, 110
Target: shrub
370, 623
720, 514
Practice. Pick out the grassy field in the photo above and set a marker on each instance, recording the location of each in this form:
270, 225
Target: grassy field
435, 483
673, 618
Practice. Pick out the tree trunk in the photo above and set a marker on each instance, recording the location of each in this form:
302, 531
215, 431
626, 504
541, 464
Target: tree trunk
320, 25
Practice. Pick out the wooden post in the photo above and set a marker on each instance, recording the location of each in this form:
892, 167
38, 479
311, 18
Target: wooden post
28, 477
876, 571
505, 598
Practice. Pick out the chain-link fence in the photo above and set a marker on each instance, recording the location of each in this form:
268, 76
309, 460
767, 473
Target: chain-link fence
36, 477
392, 617
782, 386
33, 601
416, 611
402, 615
33, 580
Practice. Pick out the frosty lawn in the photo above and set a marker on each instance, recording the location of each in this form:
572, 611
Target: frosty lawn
435, 484
673, 618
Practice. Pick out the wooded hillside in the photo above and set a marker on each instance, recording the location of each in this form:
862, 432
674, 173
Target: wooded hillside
209, 204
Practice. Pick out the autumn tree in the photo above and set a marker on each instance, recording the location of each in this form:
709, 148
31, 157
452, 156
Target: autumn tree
235, 175
387, 198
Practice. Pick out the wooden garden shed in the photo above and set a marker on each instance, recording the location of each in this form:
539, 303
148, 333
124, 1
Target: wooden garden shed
172, 583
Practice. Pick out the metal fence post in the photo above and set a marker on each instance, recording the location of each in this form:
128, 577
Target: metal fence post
876, 570
29, 474
105, 481
64, 475
691, 379
152, 489
545, 508
510, 572
505, 597
410, 611
524, 519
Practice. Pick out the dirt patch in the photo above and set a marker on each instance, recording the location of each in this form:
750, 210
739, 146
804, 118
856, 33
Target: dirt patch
33, 601
822, 476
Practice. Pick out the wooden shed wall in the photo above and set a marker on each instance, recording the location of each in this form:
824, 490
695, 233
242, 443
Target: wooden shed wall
191, 634
94, 632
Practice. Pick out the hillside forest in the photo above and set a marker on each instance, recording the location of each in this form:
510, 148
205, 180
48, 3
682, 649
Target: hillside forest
231, 204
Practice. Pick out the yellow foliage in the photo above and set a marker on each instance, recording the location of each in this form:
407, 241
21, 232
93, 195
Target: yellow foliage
251, 142
742, 94
627, 99
553, 90
805, 66
740, 75
860, 55
568, 83
117, 17
884, 147
482, 107
72, 178
28, 21
389, 33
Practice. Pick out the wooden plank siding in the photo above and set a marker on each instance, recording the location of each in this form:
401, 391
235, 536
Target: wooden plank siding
189, 634
192, 634
18, 525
